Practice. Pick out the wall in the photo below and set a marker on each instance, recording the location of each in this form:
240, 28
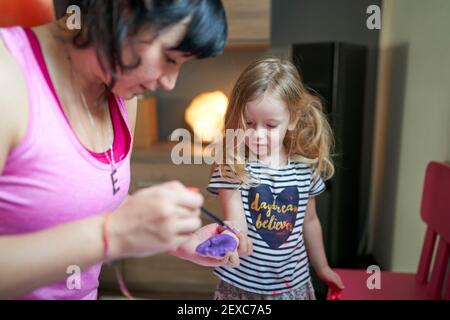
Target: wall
309, 21
412, 124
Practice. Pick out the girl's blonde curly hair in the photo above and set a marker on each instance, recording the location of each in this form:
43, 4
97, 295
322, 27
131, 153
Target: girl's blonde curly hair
311, 140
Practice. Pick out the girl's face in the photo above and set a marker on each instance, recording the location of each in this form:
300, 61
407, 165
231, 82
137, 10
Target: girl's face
267, 120
159, 66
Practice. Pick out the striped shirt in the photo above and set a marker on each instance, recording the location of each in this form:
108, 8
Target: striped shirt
274, 209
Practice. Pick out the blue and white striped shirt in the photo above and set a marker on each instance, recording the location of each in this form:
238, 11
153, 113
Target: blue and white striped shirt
274, 210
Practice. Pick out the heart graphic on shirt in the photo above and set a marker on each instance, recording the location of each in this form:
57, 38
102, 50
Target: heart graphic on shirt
273, 217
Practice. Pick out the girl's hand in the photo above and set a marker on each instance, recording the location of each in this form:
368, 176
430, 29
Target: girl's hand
331, 278
187, 250
245, 244
154, 220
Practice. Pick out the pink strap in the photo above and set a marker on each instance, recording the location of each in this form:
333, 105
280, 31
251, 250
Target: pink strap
121, 138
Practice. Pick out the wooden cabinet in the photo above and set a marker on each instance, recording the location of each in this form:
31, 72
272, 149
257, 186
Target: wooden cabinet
146, 130
248, 22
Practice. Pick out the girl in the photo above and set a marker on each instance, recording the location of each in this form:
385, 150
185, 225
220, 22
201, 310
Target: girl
268, 184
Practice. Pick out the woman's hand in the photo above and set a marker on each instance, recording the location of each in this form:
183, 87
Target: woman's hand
331, 278
154, 220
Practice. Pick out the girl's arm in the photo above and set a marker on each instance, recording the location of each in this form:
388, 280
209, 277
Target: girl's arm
233, 210
312, 231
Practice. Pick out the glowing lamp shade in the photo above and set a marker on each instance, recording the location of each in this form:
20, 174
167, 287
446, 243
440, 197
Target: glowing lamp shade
206, 113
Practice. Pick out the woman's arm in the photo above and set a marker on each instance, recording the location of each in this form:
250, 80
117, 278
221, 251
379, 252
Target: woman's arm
314, 244
29, 261
33, 260
141, 226
13, 104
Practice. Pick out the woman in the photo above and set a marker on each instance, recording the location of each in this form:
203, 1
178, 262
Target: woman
66, 137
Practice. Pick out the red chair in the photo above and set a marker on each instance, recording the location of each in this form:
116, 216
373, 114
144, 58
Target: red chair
435, 212
25, 12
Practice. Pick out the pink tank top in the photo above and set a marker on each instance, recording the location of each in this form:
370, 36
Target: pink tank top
50, 178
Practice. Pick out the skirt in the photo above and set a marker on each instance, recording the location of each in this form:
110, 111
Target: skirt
226, 291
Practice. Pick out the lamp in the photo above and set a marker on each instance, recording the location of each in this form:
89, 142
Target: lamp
205, 115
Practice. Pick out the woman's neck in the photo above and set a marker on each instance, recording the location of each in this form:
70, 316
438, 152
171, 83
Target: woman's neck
81, 64
92, 126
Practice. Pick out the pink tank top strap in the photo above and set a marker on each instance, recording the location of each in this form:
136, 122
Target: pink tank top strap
122, 136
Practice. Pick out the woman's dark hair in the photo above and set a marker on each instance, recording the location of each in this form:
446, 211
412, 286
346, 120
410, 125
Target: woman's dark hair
106, 24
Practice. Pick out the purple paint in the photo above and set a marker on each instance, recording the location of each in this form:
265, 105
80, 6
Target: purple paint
217, 246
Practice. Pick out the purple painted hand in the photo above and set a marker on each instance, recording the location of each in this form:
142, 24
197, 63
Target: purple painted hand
217, 246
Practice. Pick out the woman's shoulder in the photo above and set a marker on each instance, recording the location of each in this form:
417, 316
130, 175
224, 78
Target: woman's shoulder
13, 100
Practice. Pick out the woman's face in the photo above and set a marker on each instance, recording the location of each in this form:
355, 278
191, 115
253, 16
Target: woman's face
159, 65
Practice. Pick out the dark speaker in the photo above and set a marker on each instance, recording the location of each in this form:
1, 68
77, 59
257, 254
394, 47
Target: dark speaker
337, 73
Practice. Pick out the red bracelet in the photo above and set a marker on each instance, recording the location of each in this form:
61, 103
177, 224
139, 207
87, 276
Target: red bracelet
114, 264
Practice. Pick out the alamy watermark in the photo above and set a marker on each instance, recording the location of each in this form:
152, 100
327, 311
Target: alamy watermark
374, 280
373, 22
73, 21
241, 146
73, 281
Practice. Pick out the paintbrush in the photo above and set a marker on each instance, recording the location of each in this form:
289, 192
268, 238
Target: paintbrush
214, 218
